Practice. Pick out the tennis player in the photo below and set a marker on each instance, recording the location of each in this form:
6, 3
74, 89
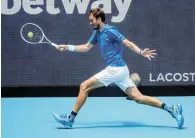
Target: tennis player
110, 41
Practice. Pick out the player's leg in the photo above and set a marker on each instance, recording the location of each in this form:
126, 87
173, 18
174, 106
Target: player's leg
136, 95
131, 90
128, 86
136, 80
85, 88
103, 78
174, 110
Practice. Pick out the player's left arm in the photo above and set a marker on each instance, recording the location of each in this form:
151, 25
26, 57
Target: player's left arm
146, 52
117, 36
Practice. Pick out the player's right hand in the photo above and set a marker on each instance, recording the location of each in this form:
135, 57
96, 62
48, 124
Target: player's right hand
62, 47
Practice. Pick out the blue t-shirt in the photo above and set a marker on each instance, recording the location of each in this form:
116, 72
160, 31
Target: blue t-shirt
110, 41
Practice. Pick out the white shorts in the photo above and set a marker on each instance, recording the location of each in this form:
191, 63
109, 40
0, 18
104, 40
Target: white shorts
117, 75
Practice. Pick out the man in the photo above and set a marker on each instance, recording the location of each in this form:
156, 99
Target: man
110, 41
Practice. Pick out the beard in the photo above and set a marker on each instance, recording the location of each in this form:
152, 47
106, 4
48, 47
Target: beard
97, 27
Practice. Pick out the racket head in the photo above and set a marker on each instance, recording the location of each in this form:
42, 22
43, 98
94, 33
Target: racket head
32, 33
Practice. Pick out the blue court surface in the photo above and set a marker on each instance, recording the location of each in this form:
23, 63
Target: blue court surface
99, 118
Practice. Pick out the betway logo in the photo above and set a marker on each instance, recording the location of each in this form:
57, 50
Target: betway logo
33, 7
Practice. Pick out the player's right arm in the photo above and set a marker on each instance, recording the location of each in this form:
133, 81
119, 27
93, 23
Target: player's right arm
80, 48
76, 48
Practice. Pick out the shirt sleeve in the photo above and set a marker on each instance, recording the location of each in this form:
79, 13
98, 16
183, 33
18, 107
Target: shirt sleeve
115, 35
93, 38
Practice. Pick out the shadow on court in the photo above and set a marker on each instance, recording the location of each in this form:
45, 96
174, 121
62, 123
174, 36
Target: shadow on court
119, 124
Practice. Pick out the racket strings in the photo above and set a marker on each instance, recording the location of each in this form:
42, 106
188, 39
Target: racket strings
33, 34
37, 34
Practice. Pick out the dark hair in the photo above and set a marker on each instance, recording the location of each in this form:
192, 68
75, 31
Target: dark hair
97, 12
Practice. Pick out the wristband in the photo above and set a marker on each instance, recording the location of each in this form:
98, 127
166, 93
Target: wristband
140, 52
71, 48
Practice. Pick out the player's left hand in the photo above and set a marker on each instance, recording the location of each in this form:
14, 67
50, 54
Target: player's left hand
148, 53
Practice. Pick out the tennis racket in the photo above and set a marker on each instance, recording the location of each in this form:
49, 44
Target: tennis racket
33, 34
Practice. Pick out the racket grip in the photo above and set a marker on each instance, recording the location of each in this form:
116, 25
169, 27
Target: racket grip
53, 44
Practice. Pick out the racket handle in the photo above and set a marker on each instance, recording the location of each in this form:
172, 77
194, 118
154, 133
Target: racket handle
53, 44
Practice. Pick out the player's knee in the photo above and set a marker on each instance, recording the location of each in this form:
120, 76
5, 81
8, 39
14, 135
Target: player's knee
83, 87
137, 98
